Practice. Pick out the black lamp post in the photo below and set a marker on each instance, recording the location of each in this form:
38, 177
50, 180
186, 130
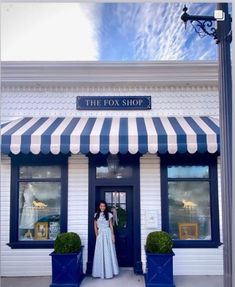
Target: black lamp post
206, 25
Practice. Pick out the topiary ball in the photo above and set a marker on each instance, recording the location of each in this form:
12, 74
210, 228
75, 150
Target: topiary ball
159, 242
68, 242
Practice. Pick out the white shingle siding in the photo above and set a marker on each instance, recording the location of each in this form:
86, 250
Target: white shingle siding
183, 101
198, 261
150, 195
78, 200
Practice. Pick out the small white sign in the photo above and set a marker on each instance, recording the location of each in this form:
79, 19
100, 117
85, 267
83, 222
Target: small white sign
151, 219
219, 15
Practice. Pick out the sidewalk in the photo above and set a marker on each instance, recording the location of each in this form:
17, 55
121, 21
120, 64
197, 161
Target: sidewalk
126, 278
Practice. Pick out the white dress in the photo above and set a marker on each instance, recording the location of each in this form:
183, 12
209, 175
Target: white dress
105, 263
29, 214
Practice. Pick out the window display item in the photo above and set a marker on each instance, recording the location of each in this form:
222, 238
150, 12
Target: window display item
39, 201
189, 204
188, 231
54, 229
39, 204
41, 230
28, 234
29, 214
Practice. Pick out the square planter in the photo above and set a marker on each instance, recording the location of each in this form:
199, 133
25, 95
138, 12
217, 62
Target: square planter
67, 269
159, 270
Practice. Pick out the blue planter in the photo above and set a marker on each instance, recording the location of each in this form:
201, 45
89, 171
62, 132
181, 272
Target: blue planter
159, 270
67, 269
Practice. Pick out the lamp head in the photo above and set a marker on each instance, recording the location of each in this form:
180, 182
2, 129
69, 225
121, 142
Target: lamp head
113, 163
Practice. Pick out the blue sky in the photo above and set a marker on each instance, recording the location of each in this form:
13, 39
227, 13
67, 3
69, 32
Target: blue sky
108, 32
153, 31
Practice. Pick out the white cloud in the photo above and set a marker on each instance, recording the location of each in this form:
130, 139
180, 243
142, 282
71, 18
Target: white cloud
160, 33
60, 31
46, 31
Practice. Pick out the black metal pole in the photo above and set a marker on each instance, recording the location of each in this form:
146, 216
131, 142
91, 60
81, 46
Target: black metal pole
225, 101
223, 36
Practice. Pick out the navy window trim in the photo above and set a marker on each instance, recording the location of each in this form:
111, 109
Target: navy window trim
31, 160
197, 159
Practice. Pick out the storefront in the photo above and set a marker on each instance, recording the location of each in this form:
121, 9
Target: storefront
142, 136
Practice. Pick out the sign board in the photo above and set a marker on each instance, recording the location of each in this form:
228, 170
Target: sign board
114, 103
151, 219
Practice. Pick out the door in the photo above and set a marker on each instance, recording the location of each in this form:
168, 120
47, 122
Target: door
120, 203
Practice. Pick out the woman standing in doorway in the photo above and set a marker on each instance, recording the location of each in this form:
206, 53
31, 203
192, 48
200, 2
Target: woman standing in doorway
105, 263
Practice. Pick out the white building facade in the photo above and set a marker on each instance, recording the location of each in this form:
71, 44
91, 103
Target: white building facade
158, 168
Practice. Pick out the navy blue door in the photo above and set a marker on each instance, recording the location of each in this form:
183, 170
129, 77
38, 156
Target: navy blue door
120, 203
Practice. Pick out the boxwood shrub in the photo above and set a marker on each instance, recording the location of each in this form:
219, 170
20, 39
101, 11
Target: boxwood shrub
68, 242
159, 242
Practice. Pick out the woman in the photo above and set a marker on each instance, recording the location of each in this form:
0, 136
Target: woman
105, 263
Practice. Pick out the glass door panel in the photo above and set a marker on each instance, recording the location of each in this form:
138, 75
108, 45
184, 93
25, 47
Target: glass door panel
116, 201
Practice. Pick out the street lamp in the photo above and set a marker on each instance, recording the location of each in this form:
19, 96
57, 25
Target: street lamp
220, 30
203, 25
113, 163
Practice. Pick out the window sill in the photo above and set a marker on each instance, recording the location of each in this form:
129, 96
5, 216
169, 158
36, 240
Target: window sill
196, 244
31, 244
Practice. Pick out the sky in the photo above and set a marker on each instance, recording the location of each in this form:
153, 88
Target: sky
102, 32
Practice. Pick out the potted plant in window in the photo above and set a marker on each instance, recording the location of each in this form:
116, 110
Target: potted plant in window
159, 256
67, 264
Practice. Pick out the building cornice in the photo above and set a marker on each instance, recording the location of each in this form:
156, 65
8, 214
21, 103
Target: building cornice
108, 74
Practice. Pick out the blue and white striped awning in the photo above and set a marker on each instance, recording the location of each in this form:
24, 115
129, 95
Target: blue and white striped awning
110, 135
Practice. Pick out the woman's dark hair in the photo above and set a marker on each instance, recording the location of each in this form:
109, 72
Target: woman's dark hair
106, 211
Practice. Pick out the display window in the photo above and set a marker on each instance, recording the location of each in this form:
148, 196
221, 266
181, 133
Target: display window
190, 200
39, 195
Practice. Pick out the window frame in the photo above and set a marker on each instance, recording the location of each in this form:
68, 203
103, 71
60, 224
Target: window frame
36, 160
192, 160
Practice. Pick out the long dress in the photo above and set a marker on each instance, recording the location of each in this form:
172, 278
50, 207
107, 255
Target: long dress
105, 263
29, 214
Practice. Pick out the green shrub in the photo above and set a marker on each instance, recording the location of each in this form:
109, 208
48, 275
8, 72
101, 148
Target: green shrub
159, 242
68, 242
122, 218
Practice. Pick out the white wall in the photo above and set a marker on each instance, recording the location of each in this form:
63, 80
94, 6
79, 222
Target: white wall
78, 200
150, 196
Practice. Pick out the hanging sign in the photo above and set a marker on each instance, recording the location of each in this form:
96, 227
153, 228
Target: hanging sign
114, 103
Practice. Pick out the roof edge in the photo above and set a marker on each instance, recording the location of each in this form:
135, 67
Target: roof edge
70, 72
